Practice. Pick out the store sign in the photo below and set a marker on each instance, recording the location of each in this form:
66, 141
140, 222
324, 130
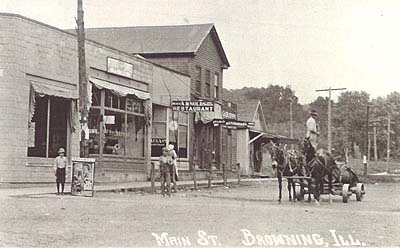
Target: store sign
226, 115
83, 176
31, 134
193, 106
119, 67
233, 124
158, 141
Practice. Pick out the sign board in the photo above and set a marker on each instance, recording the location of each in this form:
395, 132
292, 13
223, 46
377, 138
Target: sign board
82, 183
31, 134
109, 119
158, 141
233, 124
193, 106
227, 115
119, 67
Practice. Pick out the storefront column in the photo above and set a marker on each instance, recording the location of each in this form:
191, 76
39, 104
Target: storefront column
102, 113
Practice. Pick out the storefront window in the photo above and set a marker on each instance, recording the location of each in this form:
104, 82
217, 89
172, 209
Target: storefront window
48, 128
135, 136
159, 130
94, 131
114, 133
178, 133
123, 126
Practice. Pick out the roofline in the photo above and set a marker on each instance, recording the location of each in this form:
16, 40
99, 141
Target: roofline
89, 40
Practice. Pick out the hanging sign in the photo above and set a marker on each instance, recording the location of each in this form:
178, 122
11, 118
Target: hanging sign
82, 183
193, 106
233, 124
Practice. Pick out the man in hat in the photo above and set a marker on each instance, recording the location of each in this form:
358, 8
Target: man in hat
313, 130
60, 163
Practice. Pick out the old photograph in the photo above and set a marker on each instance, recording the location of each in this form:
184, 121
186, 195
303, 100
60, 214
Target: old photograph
199, 123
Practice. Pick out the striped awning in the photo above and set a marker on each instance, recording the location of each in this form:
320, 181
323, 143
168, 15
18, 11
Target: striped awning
119, 90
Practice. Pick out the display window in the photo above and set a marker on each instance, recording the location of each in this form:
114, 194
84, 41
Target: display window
48, 127
121, 120
175, 131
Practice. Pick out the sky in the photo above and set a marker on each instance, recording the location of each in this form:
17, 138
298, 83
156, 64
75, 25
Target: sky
307, 44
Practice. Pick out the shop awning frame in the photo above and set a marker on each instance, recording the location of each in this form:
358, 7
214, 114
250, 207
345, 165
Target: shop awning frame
42, 89
119, 90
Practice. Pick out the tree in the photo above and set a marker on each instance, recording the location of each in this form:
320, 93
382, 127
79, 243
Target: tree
350, 115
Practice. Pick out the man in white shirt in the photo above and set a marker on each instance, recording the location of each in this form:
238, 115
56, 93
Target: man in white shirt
313, 129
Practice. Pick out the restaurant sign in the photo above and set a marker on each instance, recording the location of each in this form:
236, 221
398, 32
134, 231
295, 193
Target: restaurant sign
119, 67
192, 106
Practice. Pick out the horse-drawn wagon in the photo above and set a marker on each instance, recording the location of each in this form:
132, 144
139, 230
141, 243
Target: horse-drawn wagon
345, 183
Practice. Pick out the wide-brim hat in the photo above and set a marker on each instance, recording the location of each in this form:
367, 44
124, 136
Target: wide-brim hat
61, 150
313, 113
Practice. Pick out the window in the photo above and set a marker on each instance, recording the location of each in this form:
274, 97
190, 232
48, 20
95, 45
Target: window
208, 83
123, 125
178, 133
48, 128
198, 79
159, 130
216, 86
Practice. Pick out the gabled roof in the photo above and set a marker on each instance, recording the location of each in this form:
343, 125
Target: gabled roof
246, 110
151, 40
249, 109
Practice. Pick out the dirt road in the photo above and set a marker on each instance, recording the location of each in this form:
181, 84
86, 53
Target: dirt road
245, 216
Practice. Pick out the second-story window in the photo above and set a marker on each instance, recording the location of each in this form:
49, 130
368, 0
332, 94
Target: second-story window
198, 79
208, 82
216, 86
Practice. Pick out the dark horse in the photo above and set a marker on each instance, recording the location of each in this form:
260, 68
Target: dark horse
287, 164
319, 166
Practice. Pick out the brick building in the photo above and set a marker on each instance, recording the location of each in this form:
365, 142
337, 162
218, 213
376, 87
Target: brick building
195, 50
39, 99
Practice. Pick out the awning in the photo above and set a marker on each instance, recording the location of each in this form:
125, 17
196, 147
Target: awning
119, 89
42, 89
51, 90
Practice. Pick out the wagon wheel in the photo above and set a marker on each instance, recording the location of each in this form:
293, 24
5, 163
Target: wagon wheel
345, 193
299, 193
359, 191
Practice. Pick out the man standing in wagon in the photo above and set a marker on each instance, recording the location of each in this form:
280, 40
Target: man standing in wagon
313, 130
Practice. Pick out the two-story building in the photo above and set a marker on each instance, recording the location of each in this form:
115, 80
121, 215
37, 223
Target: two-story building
194, 50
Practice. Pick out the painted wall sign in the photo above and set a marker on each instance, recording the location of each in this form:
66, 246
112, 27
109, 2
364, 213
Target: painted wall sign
82, 183
119, 67
158, 141
193, 106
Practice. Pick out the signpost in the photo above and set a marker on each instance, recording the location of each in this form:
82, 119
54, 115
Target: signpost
82, 183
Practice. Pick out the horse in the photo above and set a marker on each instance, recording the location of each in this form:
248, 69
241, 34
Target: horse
287, 164
320, 167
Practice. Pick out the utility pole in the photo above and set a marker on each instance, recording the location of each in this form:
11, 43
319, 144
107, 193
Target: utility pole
82, 79
291, 120
329, 115
388, 143
366, 147
375, 144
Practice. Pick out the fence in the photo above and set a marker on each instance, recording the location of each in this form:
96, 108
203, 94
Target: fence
210, 172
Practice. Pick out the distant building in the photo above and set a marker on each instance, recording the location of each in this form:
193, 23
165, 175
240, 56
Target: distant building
194, 50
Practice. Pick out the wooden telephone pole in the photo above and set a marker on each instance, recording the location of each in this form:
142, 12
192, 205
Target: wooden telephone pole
330, 114
82, 79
